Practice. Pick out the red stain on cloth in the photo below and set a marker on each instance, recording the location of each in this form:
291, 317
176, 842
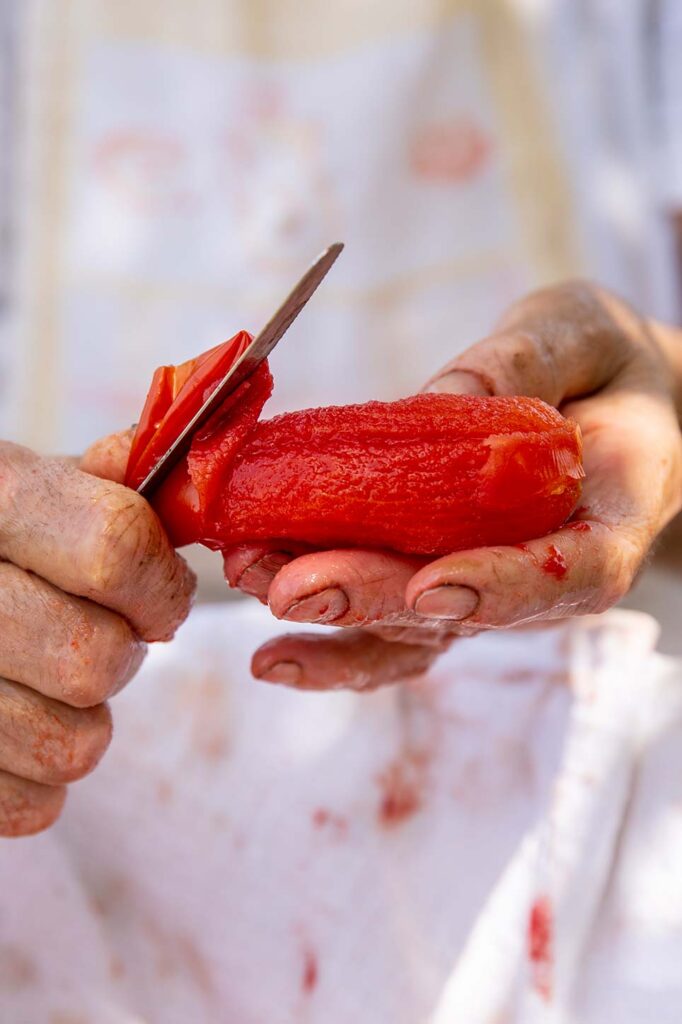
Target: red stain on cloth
325, 819
403, 786
311, 972
540, 938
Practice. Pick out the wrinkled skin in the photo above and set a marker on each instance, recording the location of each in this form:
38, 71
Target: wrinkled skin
576, 347
79, 558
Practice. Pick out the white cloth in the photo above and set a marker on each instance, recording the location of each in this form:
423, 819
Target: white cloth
246, 854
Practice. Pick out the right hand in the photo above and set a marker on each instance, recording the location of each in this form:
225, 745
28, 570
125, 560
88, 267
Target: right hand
87, 576
578, 348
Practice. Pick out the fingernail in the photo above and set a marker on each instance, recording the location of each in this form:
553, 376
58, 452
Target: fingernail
283, 672
459, 382
447, 602
258, 577
327, 606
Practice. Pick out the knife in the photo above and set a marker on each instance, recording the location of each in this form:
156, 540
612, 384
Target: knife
259, 349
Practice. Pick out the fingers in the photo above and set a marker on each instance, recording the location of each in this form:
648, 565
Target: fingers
251, 568
556, 344
567, 573
353, 659
27, 807
63, 646
92, 538
108, 457
633, 459
581, 348
46, 741
344, 588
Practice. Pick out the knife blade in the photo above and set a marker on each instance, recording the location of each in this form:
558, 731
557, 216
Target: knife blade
259, 349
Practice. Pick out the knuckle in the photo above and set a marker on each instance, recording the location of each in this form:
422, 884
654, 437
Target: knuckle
620, 586
529, 364
83, 744
28, 807
101, 663
15, 463
621, 559
123, 538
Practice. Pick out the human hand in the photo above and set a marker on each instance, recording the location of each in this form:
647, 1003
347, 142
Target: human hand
579, 348
87, 576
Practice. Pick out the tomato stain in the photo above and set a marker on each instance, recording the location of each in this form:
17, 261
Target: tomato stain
540, 939
323, 818
579, 527
311, 972
402, 790
555, 563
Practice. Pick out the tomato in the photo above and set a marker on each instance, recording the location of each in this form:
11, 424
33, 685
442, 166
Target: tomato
424, 475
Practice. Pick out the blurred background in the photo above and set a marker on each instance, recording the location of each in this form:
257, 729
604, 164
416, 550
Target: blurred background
167, 169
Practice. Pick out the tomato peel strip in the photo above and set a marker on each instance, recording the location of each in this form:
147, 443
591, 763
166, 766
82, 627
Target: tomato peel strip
175, 396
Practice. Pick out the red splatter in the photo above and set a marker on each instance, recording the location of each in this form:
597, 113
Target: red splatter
311, 972
323, 818
518, 675
116, 967
555, 563
540, 945
402, 784
580, 527
164, 791
450, 151
521, 547
18, 970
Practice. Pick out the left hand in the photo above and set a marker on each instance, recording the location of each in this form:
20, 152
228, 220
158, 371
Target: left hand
580, 349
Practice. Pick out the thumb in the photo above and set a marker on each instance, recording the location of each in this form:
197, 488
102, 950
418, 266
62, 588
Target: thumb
108, 457
457, 382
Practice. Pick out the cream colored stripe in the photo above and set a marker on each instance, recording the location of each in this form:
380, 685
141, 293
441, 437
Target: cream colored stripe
49, 65
536, 174
285, 29
399, 286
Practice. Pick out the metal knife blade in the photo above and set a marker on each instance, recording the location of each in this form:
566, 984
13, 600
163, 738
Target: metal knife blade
259, 349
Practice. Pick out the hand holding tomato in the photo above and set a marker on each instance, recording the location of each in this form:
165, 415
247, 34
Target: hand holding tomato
619, 376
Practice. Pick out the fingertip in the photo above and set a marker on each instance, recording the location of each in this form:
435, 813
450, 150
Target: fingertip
159, 622
288, 673
107, 458
255, 578
27, 807
460, 382
447, 601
